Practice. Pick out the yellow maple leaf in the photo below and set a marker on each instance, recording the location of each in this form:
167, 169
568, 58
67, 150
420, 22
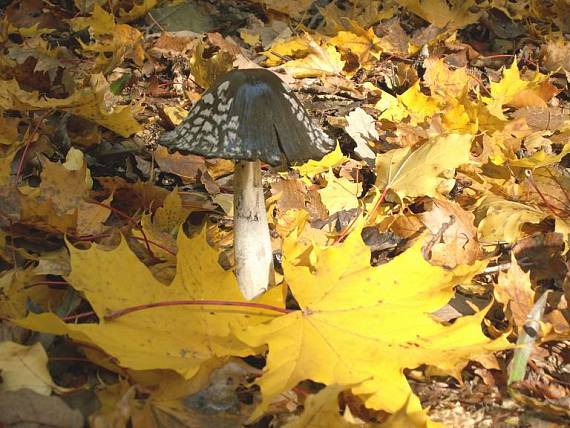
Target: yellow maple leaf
412, 103
503, 220
172, 214
330, 160
59, 202
391, 109
340, 193
365, 14
360, 324
366, 46
206, 71
181, 338
6, 161
443, 81
509, 90
540, 159
321, 411
16, 294
100, 21
455, 118
411, 173
110, 38
252, 39
90, 102
138, 10
9, 126
514, 291
419, 106
280, 49
288, 7
451, 15
162, 228
322, 60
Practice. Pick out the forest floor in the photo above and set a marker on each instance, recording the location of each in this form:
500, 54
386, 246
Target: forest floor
409, 261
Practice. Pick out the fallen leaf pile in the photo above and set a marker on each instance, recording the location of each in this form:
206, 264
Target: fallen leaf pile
407, 260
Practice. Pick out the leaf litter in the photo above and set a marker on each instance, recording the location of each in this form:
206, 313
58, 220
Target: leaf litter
408, 258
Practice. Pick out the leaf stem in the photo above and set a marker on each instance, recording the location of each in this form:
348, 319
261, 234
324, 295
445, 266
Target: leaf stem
125, 311
128, 218
550, 208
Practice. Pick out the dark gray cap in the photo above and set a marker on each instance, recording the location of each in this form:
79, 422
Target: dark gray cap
248, 115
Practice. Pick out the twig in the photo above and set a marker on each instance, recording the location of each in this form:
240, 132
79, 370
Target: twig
497, 268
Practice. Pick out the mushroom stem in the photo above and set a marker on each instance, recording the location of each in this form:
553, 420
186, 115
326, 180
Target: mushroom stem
252, 242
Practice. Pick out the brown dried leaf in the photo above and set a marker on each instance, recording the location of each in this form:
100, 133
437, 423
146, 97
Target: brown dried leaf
27, 408
459, 244
514, 290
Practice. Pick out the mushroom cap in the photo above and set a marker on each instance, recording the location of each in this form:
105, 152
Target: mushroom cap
250, 115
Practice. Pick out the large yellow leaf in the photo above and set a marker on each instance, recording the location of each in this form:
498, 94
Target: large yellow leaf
176, 337
412, 173
363, 324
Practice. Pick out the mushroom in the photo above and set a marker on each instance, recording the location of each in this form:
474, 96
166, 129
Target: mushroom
250, 116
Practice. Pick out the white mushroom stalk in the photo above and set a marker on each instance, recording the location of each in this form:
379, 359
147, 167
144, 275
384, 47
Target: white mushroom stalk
252, 241
250, 116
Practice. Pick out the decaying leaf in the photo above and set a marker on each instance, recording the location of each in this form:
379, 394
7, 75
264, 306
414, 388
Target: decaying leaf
514, 290
24, 367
